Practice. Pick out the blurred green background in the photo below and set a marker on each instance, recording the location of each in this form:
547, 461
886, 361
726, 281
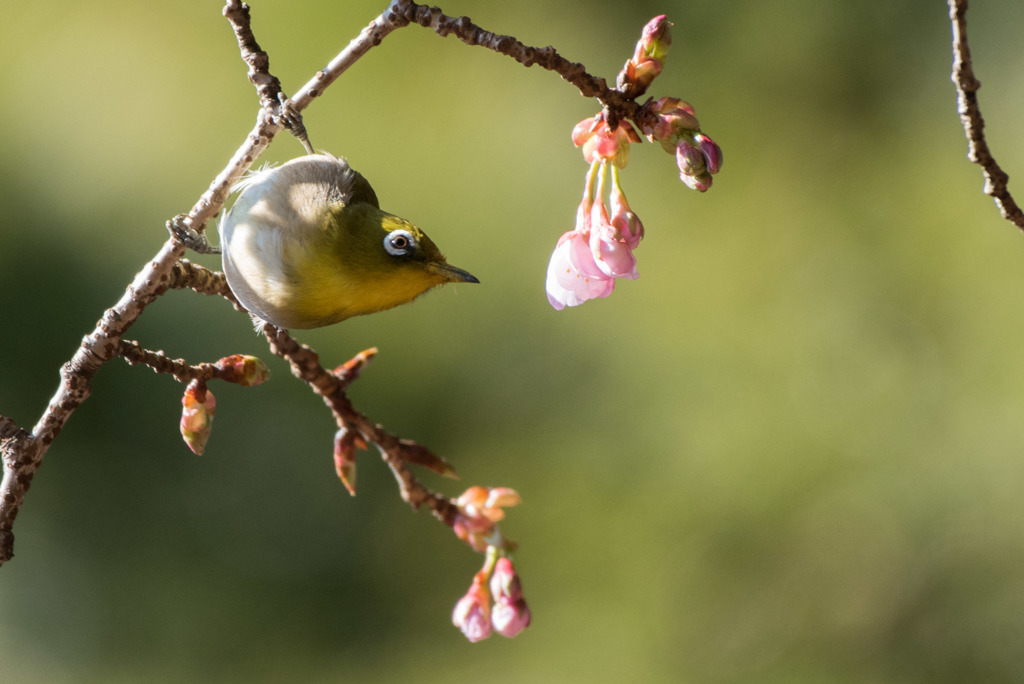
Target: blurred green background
790, 452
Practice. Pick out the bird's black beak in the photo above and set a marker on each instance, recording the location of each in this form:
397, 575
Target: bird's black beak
452, 274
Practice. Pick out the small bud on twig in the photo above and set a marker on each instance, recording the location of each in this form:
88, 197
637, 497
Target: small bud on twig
198, 407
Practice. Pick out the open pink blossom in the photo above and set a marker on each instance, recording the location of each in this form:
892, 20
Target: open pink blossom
573, 275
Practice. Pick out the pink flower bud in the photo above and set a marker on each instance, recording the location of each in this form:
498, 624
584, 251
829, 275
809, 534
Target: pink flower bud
505, 582
689, 158
198, 407
655, 39
472, 613
711, 151
667, 105
346, 443
648, 58
243, 370
700, 182
509, 618
626, 223
510, 614
675, 119
611, 253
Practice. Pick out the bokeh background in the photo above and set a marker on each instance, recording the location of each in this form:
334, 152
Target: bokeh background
792, 451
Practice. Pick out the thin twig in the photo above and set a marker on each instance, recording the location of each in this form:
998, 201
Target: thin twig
186, 274
967, 86
134, 354
268, 87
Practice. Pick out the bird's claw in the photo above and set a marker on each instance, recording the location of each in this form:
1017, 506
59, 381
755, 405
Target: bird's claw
288, 117
181, 229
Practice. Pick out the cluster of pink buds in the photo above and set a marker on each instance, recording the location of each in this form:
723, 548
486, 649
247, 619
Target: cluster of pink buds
494, 606
599, 250
495, 600
678, 131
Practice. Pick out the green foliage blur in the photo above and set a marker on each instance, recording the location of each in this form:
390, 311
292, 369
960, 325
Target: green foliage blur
790, 452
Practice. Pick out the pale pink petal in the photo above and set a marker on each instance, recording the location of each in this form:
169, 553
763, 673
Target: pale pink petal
573, 277
509, 618
615, 258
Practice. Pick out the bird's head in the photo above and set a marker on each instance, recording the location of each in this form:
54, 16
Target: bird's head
386, 260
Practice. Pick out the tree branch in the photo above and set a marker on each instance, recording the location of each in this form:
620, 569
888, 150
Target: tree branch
23, 451
967, 86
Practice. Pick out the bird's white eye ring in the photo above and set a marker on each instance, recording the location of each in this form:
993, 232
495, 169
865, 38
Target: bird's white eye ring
399, 242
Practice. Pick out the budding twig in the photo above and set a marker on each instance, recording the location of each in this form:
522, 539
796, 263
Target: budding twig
397, 453
967, 86
134, 354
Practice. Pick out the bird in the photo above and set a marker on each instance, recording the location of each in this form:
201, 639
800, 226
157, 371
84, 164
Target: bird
306, 245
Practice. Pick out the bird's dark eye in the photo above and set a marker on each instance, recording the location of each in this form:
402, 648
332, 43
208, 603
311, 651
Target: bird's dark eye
399, 242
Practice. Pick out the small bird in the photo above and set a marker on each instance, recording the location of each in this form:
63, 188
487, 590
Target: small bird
306, 245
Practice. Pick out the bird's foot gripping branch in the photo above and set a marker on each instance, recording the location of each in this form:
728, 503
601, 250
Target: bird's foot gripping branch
317, 206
